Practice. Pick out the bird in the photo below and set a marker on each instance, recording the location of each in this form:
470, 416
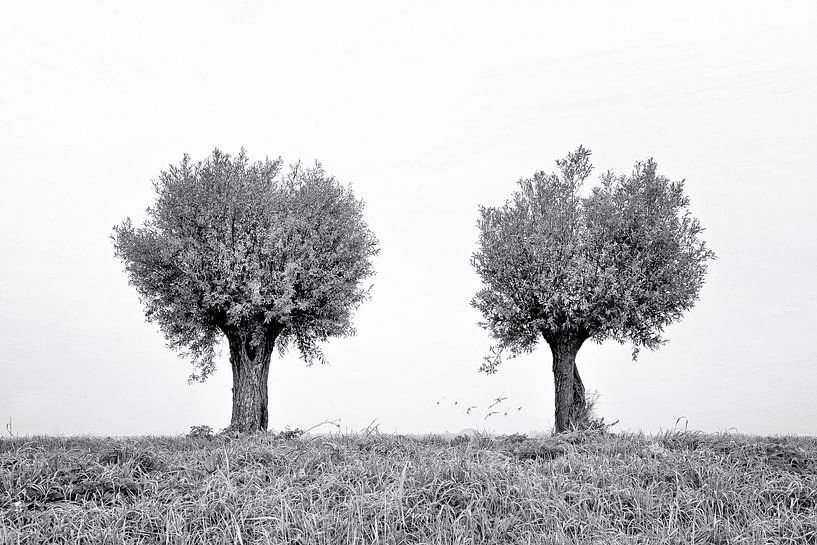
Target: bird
469, 409
497, 401
490, 414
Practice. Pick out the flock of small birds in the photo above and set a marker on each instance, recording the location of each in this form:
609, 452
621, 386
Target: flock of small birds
494, 404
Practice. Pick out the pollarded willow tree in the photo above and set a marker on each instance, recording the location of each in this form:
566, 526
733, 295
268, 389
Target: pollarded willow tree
244, 251
621, 263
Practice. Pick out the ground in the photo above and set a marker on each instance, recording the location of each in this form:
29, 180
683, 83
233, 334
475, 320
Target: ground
591, 487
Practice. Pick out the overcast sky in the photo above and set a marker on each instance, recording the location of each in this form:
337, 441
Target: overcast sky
428, 110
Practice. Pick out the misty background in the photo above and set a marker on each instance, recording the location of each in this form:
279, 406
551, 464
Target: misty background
428, 110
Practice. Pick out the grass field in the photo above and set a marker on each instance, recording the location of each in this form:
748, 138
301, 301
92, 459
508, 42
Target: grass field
590, 487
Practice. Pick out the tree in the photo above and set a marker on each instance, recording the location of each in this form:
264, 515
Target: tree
239, 250
621, 263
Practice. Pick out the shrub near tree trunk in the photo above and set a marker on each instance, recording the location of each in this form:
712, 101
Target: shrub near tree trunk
241, 251
622, 263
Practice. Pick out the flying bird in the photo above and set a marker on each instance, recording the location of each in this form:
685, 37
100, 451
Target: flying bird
497, 401
490, 414
469, 409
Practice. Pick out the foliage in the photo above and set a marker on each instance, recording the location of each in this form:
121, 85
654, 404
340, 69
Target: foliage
290, 433
234, 244
204, 432
586, 487
588, 418
621, 263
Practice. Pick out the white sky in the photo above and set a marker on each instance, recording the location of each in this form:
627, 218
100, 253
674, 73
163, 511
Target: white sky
428, 110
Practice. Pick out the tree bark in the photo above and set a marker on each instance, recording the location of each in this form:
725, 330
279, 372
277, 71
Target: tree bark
250, 364
570, 395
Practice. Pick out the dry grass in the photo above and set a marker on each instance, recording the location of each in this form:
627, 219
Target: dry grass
591, 487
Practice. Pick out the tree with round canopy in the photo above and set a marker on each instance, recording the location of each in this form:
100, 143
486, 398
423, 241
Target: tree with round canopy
243, 251
622, 262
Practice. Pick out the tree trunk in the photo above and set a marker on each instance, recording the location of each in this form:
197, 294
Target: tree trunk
250, 373
570, 395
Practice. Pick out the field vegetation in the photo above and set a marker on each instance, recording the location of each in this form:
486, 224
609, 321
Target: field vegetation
580, 487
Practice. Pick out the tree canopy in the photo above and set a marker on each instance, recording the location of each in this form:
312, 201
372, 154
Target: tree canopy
621, 262
237, 245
